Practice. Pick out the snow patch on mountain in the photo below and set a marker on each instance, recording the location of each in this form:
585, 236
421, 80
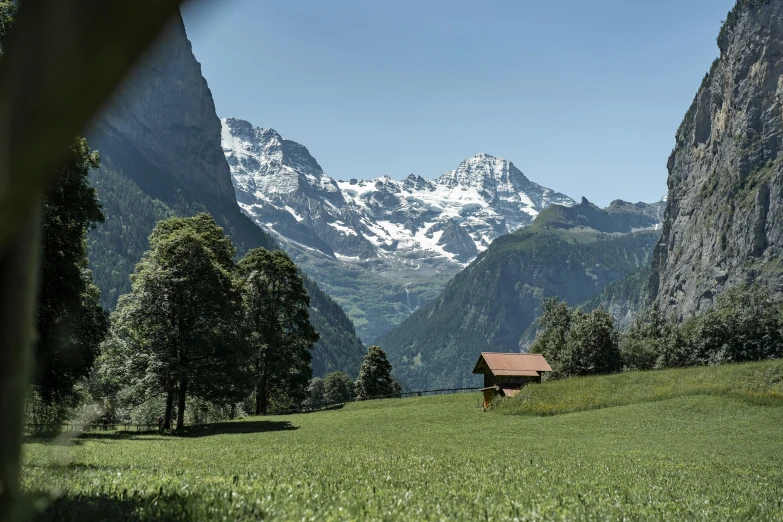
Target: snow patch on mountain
448, 220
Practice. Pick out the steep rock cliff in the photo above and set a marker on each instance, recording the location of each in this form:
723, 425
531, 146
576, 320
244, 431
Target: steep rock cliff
165, 115
724, 221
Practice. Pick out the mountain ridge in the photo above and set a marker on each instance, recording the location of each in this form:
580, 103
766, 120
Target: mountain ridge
484, 196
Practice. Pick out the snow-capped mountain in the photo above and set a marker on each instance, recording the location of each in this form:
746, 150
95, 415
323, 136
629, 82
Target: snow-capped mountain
419, 222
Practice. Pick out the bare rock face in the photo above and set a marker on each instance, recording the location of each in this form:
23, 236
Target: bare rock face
724, 220
164, 115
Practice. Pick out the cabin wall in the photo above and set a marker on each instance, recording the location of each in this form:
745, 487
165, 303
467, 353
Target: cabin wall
492, 380
489, 380
516, 381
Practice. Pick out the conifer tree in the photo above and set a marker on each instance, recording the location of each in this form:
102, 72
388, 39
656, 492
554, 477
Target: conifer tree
375, 378
70, 323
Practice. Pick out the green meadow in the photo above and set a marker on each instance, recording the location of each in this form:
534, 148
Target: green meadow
692, 444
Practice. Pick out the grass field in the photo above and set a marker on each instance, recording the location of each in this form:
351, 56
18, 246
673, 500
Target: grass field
686, 456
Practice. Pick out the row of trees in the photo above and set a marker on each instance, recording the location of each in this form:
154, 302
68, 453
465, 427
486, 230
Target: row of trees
746, 324
197, 324
196, 328
375, 380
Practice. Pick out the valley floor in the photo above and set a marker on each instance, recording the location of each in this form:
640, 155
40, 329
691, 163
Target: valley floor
685, 457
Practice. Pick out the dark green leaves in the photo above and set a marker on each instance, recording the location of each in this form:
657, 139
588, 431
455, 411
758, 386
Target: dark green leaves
69, 321
276, 317
375, 379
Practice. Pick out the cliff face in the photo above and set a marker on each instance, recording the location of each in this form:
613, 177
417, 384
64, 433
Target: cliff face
724, 221
164, 115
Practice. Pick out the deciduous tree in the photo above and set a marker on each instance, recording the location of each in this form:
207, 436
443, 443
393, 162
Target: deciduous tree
575, 342
552, 335
338, 387
179, 331
278, 324
592, 344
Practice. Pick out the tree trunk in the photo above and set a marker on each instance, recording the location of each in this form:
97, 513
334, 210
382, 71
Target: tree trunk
261, 395
18, 283
259, 388
258, 398
183, 389
169, 408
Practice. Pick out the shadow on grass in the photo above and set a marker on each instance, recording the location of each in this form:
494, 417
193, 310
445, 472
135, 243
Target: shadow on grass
222, 428
202, 430
126, 508
331, 407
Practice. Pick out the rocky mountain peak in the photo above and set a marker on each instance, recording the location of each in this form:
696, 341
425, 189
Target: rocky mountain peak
483, 170
241, 129
263, 163
444, 222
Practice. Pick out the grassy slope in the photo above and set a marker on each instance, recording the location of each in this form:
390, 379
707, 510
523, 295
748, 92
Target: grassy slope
690, 457
760, 383
375, 303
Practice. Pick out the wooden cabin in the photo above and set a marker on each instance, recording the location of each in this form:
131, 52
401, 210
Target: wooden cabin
506, 373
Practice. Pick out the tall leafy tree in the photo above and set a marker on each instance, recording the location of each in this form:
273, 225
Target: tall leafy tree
338, 387
179, 330
592, 346
577, 343
553, 327
70, 322
315, 393
278, 324
375, 376
645, 342
744, 325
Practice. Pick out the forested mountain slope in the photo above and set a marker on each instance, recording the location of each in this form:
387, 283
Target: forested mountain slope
159, 142
623, 299
724, 221
489, 305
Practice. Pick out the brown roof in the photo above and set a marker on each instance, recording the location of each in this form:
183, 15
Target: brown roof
516, 373
508, 364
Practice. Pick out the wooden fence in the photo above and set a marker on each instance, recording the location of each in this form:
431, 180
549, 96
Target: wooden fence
80, 427
401, 395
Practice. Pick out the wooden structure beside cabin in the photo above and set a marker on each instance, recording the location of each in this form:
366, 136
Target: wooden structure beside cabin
506, 373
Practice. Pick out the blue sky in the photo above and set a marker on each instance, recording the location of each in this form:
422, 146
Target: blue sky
583, 97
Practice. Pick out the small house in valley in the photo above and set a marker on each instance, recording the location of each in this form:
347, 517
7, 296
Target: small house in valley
506, 373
